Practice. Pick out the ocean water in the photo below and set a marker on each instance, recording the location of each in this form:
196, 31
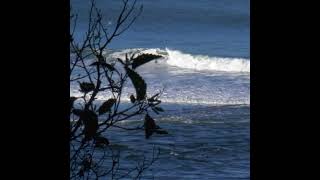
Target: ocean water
205, 74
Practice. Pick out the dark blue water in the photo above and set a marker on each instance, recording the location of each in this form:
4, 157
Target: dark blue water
211, 27
206, 76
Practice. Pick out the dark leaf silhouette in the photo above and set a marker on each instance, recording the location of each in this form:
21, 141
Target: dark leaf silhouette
138, 83
101, 141
86, 87
90, 121
106, 106
132, 99
103, 64
149, 126
89, 148
143, 58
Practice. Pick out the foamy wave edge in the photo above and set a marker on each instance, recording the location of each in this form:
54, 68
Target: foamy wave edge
196, 62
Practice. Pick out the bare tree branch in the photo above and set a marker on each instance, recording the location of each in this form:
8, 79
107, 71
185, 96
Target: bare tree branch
91, 154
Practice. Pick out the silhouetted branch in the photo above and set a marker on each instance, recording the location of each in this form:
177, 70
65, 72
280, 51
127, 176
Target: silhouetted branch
90, 150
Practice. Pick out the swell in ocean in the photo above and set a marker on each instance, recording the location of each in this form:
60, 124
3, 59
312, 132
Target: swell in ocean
189, 79
195, 62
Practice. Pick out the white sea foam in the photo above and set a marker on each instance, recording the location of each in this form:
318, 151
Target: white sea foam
201, 62
219, 84
197, 62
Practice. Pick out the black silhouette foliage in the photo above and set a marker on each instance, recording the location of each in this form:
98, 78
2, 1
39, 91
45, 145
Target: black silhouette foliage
86, 87
89, 122
132, 98
106, 106
138, 83
143, 58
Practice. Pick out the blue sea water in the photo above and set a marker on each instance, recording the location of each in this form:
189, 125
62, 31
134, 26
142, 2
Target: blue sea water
214, 28
205, 74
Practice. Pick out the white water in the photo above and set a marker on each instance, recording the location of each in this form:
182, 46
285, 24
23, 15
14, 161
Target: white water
196, 62
190, 79
201, 62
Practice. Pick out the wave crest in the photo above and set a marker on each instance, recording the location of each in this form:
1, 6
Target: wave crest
200, 62
197, 62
